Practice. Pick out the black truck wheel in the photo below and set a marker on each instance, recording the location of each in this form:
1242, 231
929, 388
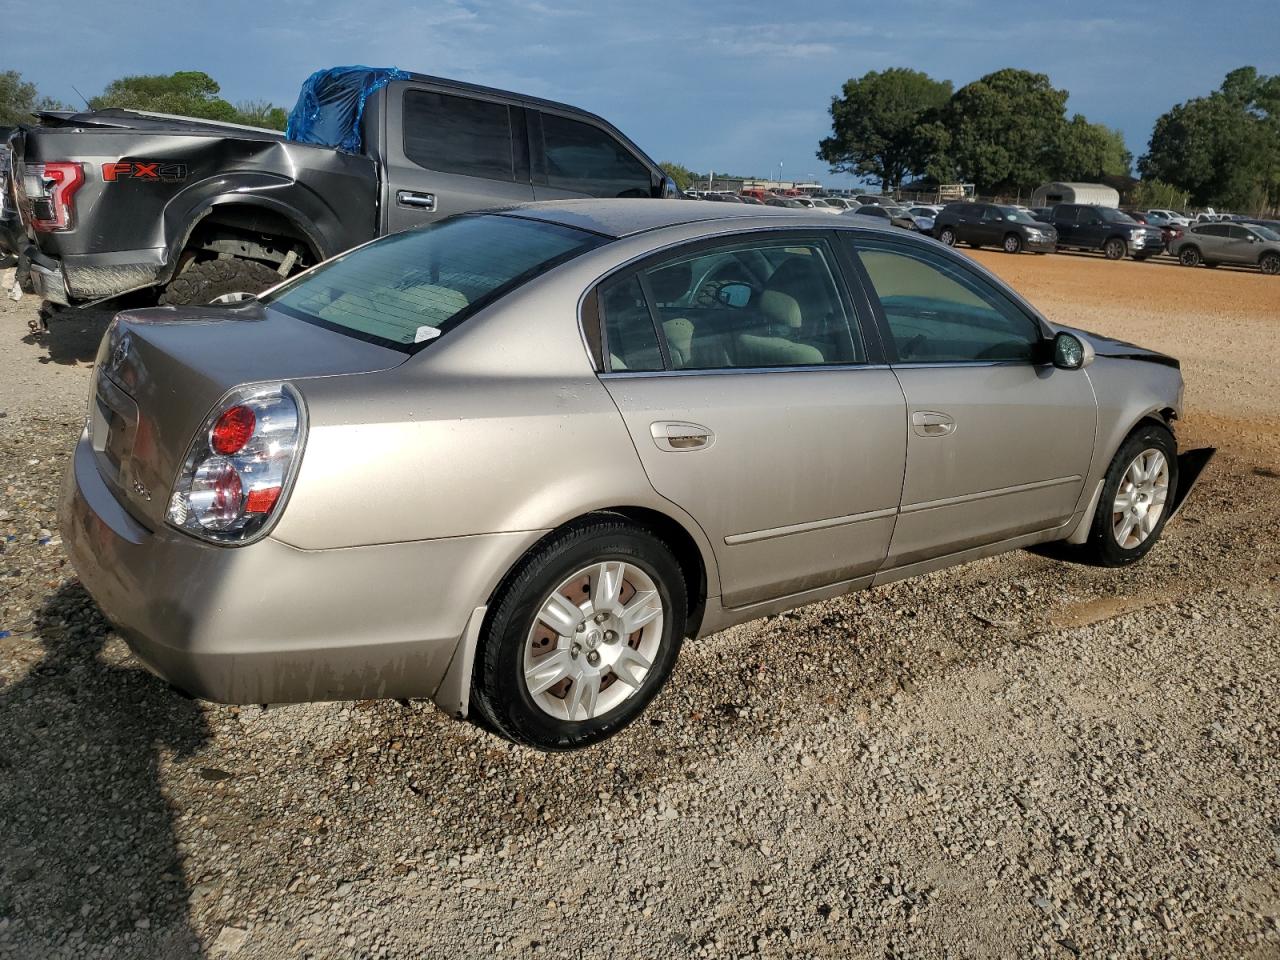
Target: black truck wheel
1115, 249
208, 280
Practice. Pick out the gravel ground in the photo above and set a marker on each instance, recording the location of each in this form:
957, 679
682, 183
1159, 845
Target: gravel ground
1018, 757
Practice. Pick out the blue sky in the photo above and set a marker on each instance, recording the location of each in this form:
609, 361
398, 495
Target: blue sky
740, 85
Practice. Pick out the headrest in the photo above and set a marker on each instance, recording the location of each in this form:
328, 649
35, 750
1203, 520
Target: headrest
781, 308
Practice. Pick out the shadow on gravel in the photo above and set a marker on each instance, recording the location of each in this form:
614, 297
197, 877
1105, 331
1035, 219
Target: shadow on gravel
88, 858
73, 336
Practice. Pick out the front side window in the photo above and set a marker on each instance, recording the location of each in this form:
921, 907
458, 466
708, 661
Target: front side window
458, 135
938, 313
587, 159
404, 290
771, 303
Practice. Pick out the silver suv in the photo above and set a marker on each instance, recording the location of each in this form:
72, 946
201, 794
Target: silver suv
1244, 244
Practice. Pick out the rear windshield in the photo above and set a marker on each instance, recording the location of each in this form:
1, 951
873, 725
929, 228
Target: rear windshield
405, 290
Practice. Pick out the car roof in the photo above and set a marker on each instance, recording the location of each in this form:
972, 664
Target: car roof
624, 218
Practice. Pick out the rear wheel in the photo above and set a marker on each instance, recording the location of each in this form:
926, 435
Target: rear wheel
948, 236
1270, 264
210, 280
1013, 243
1115, 249
582, 636
1189, 256
1134, 505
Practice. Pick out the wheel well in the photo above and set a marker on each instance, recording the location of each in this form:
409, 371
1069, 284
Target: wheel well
250, 232
670, 532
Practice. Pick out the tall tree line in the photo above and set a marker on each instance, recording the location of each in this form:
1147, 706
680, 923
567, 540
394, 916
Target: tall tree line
188, 93
1004, 131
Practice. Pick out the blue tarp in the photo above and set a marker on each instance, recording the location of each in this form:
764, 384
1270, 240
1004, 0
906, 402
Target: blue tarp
331, 103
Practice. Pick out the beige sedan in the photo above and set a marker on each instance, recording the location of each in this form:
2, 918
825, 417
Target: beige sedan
512, 460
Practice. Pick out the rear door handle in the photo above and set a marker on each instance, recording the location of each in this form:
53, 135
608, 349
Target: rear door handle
412, 198
677, 436
930, 423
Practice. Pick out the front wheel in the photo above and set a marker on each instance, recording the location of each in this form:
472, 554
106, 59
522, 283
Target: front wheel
582, 636
1189, 257
1270, 264
1114, 249
947, 236
1013, 243
1134, 506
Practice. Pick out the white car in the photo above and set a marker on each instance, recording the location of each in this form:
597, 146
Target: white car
1171, 217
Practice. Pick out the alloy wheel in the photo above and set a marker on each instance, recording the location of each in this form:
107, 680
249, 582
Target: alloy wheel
593, 641
948, 236
1140, 500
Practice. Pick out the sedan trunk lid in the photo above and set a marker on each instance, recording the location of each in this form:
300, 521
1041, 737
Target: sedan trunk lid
159, 372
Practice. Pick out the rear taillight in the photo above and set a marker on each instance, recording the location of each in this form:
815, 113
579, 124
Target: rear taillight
51, 190
240, 465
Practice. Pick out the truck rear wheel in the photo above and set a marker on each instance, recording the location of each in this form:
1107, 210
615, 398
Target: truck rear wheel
208, 280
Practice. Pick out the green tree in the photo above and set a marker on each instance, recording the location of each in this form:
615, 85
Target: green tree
1158, 195
876, 124
1223, 149
20, 99
1091, 151
1005, 130
682, 175
260, 113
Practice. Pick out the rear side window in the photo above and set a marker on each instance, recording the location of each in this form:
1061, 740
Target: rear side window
406, 289
587, 159
764, 304
1065, 214
937, 313
628, 326
458, 135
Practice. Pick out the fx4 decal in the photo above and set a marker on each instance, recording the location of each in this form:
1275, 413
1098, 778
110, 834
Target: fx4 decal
141, 170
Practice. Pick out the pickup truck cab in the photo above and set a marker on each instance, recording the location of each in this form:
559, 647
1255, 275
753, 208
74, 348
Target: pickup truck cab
114, 201
1116, 234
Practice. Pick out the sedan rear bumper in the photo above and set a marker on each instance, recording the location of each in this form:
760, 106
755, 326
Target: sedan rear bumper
269, 623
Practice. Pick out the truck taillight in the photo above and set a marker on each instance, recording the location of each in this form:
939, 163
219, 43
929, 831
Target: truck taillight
51, 190
240, 465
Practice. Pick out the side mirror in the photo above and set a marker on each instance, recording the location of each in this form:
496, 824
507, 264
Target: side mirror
669, 189
734, 294
1071, 353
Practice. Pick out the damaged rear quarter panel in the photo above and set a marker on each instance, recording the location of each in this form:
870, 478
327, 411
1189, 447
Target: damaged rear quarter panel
129, 230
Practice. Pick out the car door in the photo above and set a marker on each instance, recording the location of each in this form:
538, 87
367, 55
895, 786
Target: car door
1064, 221
1091, 230
447, 154
573, 158
759, 404
1241, 245
991, 226
999, 441
1214, 240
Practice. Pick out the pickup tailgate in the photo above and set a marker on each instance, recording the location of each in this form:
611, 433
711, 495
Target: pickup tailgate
159, 373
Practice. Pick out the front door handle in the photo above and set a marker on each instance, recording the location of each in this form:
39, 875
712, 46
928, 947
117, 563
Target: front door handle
930, 423
677, 436
419, 201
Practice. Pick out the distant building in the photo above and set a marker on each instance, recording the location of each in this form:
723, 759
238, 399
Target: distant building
1096, 194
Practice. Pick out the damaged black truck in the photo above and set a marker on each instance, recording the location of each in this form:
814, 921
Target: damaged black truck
114, 202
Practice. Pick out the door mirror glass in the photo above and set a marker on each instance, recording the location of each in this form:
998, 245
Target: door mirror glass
734, 294
1070, 352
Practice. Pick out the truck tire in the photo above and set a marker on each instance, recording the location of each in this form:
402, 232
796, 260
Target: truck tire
204, 282
1115, 249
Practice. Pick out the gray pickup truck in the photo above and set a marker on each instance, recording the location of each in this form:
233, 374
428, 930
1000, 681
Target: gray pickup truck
107, 202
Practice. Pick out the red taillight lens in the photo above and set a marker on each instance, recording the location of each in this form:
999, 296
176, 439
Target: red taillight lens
51, 189
240, 465
232, 430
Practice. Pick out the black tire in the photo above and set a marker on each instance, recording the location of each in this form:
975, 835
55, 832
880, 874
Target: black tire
1102, 548
1115, 249
1189, 256
1013, 243
1270, 264
207, 280
498, 688
947, 235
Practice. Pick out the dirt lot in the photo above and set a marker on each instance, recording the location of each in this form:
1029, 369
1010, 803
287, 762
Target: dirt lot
1019, 757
